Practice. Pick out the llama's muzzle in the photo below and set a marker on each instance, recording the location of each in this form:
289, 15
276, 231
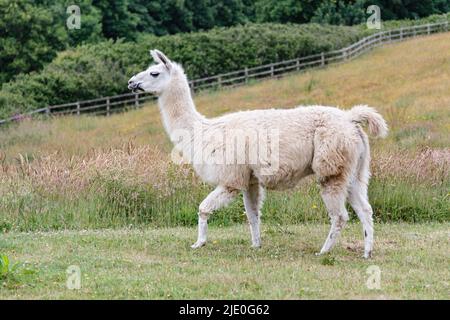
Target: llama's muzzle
135, 86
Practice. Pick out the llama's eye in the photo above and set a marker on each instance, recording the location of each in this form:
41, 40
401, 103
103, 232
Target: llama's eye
154, 74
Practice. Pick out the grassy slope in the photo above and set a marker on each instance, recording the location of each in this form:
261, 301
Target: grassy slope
409, 83
159, 264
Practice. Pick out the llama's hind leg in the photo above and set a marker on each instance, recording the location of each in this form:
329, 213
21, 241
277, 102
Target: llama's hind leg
359, 201
253, 199
334, 194
221, 196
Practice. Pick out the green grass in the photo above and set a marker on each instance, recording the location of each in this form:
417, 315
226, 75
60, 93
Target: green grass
55, 188
117, 205
159, 264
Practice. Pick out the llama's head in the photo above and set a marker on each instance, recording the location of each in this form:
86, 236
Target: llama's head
156, 78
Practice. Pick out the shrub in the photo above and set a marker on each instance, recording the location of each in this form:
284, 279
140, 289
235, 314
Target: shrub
103, 69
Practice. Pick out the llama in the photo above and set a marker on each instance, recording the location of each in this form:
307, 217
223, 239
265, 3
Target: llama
325, 141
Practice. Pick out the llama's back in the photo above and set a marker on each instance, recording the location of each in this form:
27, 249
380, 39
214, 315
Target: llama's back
290, 144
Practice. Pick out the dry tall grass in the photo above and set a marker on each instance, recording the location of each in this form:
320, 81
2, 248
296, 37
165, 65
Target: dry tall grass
69, 175
408, 82
45, 164
72, 175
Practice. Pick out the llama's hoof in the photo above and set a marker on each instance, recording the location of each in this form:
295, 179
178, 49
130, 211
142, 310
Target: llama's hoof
367, 255
318, 254
198, 244
256, 246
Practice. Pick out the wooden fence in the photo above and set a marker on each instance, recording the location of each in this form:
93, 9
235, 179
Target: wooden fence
123, 102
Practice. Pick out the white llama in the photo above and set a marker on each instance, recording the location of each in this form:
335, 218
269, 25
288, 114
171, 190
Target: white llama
324, 141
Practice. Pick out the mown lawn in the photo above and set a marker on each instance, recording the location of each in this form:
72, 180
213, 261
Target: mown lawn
159, 264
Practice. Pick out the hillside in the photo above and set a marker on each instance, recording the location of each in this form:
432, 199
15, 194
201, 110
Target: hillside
409, 83
95, 172
97, 189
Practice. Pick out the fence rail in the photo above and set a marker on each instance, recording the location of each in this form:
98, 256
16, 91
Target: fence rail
123, 102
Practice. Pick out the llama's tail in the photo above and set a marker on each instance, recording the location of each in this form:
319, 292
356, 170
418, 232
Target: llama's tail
364, 114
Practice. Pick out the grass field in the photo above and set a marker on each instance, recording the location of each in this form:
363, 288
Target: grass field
84, 172
159, 264
90, 191
408, 82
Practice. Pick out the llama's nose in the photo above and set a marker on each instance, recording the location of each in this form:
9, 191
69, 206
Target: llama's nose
131, 83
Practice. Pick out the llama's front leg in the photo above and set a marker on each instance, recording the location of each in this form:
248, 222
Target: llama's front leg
253, 199
221, 196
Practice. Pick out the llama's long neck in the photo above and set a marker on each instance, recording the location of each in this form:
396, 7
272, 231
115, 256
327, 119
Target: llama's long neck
176, 105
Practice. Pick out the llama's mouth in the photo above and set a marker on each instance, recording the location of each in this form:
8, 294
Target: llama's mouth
136, 88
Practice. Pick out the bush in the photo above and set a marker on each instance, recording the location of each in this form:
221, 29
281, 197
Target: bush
92, 71
96, 70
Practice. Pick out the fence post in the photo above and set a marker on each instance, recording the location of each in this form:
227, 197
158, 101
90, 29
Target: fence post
401, 33
47, 110
297, 64
246, 74
107, 106
344, 54
428, 29
78, 108
136, 100
322, 59
271, 71
446, 25
219, 81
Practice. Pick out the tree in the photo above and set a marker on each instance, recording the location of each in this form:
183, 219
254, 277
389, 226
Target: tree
29, 38
410, 9
117, 19
91, 20
299, 11
161, 17
341, 12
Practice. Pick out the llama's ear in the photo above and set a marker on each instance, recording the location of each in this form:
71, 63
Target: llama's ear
160, 57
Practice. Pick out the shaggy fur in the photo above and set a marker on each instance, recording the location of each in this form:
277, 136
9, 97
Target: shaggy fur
324, 141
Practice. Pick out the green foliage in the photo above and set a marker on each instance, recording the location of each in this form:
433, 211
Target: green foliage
117, 20
340, 12
27, 37
33, 32
409, 9
14, 275
328, 260
90, 30
103, 69
344, 12
298, 11
163, 17
7, 269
